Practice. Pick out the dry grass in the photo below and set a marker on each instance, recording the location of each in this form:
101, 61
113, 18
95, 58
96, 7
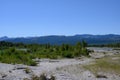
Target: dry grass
109, 64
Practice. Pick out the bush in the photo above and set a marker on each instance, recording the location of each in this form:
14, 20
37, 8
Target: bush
35, 77
85, 52
33, 63
67, 54
42, 77
14, 54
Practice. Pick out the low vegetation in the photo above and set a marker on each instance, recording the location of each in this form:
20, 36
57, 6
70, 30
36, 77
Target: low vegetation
109, 64
41, 77
27, 70
116, 45
17, 53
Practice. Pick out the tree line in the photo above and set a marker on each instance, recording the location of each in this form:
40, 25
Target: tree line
106, 45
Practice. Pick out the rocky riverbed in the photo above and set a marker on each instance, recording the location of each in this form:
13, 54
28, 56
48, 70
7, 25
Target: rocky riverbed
61, 69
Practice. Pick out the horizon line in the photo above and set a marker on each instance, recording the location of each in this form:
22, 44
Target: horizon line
53, 35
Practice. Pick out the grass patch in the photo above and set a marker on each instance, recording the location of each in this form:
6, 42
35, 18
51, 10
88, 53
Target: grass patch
106, 64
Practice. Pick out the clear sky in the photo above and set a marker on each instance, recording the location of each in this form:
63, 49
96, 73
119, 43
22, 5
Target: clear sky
23, 18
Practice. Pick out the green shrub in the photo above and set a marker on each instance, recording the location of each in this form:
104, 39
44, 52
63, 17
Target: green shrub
33, 63
85, 52
14, 53
67, 54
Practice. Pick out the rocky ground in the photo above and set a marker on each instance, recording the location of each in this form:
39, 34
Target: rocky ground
62, 69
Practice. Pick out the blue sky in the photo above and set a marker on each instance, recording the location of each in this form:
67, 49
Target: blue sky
22, 18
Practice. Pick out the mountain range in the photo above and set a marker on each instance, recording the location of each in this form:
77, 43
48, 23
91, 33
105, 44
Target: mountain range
56, 39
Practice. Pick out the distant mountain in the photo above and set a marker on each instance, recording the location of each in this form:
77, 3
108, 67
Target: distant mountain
55, 39
3, 38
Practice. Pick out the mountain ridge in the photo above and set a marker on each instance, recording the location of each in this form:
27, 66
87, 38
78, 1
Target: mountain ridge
60, 39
